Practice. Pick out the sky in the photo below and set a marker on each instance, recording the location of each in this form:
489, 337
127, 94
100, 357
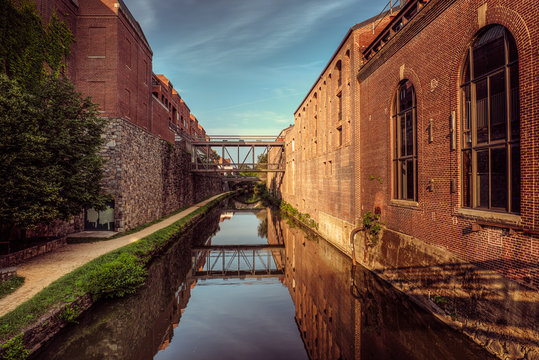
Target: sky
244, 66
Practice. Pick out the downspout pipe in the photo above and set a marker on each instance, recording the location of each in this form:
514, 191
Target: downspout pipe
352, 234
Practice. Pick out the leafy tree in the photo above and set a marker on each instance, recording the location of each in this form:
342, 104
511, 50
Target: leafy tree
50, 136
49, 144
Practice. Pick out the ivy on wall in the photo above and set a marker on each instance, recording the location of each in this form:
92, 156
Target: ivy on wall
28, 50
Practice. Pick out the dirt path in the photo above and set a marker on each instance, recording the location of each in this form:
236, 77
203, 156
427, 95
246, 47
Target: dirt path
40, 271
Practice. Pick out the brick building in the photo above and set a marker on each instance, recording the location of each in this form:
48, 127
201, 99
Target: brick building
111, 61
432, 122
320, 147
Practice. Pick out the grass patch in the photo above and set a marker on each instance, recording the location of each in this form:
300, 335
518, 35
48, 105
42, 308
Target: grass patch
131, 231
115, 264
10, 285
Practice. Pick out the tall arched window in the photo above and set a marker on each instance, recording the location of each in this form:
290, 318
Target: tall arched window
491, 123
404, 146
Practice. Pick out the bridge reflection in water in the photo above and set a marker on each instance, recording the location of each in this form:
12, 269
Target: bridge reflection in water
238, 261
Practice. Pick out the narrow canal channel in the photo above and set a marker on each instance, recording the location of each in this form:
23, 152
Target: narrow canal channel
245, 284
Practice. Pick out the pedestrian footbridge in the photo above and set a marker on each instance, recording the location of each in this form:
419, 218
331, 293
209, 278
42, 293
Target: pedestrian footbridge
238, 157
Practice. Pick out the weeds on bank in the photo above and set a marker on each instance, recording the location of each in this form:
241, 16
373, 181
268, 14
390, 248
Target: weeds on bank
304, 218
14, 349
114, 274
10, 285
372, 226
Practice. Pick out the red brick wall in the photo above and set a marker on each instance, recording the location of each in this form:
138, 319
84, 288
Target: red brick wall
114, 64
432, 61
320, 165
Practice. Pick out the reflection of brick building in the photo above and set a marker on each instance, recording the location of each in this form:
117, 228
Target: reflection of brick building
344, 314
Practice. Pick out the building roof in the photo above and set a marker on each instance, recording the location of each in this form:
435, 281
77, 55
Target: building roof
134, 23
350, 31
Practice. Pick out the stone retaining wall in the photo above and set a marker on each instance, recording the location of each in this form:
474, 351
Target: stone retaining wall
7, 273
148, 176
23, 255
496, 312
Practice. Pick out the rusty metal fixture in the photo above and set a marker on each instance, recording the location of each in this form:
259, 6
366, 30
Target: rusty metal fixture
352, 234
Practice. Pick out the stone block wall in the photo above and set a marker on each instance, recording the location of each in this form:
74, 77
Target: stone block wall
497, 313
149, 177
26, 254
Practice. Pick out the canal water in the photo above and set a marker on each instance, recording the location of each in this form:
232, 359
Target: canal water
248, 285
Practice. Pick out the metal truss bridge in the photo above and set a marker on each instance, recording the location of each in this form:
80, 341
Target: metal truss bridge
237, 156
238, 261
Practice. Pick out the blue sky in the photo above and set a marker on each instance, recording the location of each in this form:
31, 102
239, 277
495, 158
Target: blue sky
244, 66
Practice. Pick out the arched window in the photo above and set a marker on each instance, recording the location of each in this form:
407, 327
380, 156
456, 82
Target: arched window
491, 123
338, 69
404, 146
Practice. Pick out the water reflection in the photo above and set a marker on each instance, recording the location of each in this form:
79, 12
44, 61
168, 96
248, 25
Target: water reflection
347, 313
277, 294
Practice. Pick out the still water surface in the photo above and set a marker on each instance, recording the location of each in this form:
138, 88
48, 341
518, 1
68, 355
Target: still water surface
301, 299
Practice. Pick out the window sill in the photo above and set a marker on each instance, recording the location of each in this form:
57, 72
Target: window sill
407, 204
489, 216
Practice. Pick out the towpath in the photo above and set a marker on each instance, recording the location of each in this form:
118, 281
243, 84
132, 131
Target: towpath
40, 271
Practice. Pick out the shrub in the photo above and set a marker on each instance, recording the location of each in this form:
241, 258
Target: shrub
371, 224
122, 276
14, 349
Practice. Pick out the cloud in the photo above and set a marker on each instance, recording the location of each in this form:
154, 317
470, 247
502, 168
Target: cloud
247, 30
144, 12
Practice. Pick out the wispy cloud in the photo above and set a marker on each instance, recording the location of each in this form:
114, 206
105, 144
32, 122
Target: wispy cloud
279, 94
144, 12
247, 30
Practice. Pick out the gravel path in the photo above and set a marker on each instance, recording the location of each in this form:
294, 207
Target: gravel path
40, 271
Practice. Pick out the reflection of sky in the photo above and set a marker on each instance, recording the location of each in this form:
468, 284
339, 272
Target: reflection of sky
241, 229
245, 320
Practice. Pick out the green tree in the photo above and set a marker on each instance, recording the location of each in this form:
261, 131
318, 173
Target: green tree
49, 144
50, 136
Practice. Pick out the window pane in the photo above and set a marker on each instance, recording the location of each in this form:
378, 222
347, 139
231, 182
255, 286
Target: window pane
396, 178
482, 179
497, 107
489, 51
403, 135
402, 180
498, 178
396, 147
515, 179
406, 96
410, 179
409, 134
467, 116
515, 103
481, 111
466, 178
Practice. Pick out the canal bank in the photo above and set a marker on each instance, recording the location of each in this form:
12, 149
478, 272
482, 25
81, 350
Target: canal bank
64, 299
295, 297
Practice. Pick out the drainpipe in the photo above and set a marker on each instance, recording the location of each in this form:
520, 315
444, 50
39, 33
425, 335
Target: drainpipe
352, 234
